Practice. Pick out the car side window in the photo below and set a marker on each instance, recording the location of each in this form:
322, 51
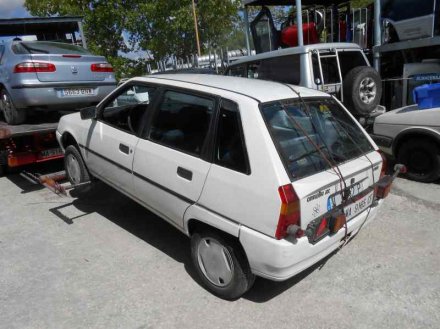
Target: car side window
350, 59
182, 121
126, 110
252, 71
282, 69
237, 71
230, 150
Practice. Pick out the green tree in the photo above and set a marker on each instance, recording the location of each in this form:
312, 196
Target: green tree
167, 27
163, 27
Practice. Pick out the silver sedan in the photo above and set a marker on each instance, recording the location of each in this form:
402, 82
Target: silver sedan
41, 75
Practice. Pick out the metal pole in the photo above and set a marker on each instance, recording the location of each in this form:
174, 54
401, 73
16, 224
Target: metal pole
246, 26
299, 22
196, 29
377, 34
83, 37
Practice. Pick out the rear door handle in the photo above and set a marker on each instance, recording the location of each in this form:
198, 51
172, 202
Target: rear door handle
124, 148
184, 173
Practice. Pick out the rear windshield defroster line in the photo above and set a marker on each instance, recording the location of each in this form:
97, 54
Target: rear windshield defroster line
326, 123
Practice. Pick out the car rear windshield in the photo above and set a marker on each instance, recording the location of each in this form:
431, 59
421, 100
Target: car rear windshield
44, 47
300, 128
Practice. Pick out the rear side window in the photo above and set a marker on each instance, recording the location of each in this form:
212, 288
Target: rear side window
283, 69
43, 47
182, 121
329, 66
294, 124
230, 151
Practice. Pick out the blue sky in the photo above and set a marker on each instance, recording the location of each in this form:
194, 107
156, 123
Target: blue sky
13, 9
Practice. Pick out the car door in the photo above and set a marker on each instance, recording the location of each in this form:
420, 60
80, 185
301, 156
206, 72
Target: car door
112, 138
171, 160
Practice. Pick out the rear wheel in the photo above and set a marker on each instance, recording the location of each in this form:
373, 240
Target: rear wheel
13, 116
76, 170
221, 264
421, 158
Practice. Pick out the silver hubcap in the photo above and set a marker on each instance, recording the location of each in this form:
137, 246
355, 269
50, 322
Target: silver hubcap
73, 169
367, 90
215, 261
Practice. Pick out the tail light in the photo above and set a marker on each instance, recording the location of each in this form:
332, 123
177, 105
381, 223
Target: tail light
383, 186
34, 67
289, 221
383, 171
101, 67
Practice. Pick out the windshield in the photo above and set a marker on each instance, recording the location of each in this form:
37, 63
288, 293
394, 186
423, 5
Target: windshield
299, 129
45, 47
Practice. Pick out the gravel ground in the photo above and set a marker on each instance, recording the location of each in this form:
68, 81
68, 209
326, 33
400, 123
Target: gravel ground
105, 262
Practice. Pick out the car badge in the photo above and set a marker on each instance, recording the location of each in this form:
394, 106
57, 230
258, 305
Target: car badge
74, 69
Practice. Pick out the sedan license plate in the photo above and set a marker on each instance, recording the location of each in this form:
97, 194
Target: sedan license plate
359, 206
51, 153
77, 92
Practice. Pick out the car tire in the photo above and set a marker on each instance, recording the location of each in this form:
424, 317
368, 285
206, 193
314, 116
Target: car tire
421, 158
362, 90
12, 115
221, 264
76, 170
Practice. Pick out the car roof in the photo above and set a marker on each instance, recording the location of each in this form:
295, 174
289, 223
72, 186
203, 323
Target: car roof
259, 90
298, 50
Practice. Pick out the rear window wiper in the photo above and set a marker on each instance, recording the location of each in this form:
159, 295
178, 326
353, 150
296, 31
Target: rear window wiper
31, 49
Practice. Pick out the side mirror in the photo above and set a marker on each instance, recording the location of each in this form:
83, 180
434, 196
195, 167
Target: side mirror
88, 113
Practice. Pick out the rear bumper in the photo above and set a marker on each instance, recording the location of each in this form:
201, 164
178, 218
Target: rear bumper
51, 97
279, 260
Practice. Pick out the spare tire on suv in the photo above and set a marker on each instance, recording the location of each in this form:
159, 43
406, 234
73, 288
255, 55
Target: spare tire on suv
362, 90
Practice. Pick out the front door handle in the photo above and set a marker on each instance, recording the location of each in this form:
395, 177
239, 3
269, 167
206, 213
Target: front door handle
184, 173
124, 148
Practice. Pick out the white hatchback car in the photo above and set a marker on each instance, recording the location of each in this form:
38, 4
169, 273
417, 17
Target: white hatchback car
266, 178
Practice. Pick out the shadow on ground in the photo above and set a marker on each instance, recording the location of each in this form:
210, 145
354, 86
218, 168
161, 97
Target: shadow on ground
137, 220
140, 222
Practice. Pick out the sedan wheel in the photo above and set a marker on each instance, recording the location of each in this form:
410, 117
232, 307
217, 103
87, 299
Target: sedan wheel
76, 170
11, 114
422, 159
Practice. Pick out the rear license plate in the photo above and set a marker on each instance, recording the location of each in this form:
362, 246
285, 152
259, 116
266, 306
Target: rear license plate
51, 153
77, 92
357, 207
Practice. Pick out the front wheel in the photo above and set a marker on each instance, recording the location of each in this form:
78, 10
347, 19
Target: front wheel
221, 264
422, 160
76, 170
